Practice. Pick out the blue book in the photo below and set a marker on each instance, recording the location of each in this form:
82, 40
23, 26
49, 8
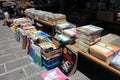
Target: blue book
63, 38
41, 34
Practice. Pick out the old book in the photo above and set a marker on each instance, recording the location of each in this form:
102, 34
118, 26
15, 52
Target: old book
104, 51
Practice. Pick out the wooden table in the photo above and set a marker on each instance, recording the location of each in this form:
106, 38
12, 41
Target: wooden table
96, 60
45, 22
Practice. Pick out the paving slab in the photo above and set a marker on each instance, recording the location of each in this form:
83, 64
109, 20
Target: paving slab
21, 54
35, 77
2, 69
0, 53
12, 50
18, 63
15, 75
79, 76
8, 58
32, 69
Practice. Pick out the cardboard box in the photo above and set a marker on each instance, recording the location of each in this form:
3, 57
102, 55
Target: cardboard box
56, 51
104, 51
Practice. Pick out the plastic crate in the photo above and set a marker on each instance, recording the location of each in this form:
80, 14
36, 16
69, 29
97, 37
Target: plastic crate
49, 67
52, 63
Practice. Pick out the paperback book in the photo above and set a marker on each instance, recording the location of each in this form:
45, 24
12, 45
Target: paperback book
54, 74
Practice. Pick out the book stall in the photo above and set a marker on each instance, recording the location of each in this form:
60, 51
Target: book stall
59, 53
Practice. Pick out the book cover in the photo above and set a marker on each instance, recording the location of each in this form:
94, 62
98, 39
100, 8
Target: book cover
69, 63
41, 34
54, 74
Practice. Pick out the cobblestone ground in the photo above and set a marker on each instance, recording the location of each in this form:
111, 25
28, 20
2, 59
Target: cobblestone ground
15, 63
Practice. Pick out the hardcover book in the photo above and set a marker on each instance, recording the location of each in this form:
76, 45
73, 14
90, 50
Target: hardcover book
69, 63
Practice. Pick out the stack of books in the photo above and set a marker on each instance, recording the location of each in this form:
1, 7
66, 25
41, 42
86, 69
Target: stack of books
53, 18
65, 32
104, 51
16, 23
87, 35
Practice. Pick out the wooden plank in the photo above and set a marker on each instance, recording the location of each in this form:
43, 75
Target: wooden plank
42, 21
102, 63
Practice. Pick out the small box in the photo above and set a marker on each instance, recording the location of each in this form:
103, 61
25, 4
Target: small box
49, 48
56, 51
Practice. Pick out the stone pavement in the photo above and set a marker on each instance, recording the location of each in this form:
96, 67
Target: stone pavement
15, 64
